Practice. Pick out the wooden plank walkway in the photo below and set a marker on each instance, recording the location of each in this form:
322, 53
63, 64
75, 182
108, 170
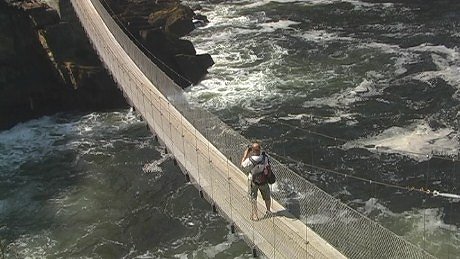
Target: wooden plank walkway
279, 236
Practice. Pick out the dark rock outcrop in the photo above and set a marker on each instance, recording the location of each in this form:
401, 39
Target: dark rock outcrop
176, 20
47, 64
164, 23
193, 66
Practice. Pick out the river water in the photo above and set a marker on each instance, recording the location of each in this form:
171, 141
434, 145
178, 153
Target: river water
382, 78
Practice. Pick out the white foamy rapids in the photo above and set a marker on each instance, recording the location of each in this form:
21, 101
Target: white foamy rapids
228, 84
35, 139
155, 166
418, 141
223, 16
205, 250
432, 216
362, 91
238, 87
239, 75
401, 58
243, 90
106, 122
279, 25
355, 3
427, 227
348, 118
321, 36
447, 61
373, 205
22, 248
30, 141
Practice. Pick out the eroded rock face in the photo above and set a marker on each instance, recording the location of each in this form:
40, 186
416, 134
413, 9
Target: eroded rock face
160, 31
193, 66
176, 20
47, 64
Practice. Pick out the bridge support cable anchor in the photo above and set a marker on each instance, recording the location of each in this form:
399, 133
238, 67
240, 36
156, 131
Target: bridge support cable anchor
201, 194
214, 208
232, 228
155, 138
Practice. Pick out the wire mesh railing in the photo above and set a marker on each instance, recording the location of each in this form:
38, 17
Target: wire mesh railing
208, 150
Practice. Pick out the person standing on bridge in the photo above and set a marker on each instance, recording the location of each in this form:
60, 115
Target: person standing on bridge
256, 161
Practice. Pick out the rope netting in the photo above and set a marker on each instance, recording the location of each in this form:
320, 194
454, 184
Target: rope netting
207, 150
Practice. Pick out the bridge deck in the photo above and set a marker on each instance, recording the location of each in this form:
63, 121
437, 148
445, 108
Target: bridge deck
279, 236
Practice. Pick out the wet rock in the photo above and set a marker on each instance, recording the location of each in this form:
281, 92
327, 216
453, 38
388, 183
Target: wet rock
176, 20
42, 15
156, 39
47, 64
200, 20
178, 56
194, 67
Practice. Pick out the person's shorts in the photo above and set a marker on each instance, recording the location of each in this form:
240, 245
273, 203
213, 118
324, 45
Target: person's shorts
264, 190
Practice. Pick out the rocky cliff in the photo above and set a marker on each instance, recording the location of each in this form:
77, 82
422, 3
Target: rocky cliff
158, 26
47, 64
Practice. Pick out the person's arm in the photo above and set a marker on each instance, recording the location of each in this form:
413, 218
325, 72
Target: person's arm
245, 156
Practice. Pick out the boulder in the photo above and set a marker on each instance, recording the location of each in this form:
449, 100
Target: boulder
178, 57
194, 68
158, 41
176, 20
48, 67
47, 64
160, 35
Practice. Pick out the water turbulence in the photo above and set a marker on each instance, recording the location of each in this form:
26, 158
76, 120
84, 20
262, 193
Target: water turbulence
98, 185
365, 89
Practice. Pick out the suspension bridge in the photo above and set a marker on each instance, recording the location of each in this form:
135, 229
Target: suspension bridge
208, 152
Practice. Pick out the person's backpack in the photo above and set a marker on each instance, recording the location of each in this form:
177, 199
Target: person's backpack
271, 178
261, 171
